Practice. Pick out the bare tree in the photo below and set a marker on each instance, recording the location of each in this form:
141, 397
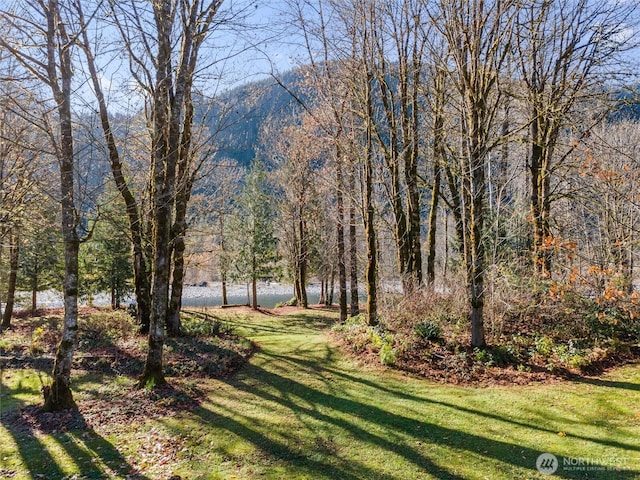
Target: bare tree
478, 37
142, 284
565, 53
324, 73
166, 70
359, 22
296, 151
398, 51
51, 63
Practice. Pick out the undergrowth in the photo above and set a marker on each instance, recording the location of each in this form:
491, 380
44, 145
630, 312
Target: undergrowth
532, 329
109, 342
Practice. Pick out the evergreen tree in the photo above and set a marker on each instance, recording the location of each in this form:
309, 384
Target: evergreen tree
105, 261
41, 256
255, 244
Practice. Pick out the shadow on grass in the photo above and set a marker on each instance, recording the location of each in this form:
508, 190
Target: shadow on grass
260, 383
92, 455
609, 383
318, 368
303, 321
330, 466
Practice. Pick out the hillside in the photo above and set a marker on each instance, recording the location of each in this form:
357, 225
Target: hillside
236, 118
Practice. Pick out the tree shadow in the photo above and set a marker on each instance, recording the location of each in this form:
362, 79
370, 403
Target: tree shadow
318, 368
92, 455
330, 466
608, 383
301, 321
339, 411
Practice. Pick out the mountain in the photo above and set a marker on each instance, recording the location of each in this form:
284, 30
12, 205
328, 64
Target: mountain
628, 105
236, 117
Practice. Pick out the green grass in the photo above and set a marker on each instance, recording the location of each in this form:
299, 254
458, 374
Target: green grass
302, 410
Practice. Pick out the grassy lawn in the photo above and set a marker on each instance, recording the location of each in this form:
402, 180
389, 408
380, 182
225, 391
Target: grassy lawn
302, 410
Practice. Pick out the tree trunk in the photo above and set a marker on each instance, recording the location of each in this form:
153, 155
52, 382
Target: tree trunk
142, 288
322, 299
439, 159
223, 266
476, 260
141, 274
59, 396
342, 272
185, 181
163, 178
301, 260
34, 296
412, 128
174, 324
372, 253
224, 289
254, 293
14, 253
332, 287
432, 225
540, 204
353, 247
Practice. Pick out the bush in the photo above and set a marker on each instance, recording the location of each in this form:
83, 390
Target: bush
387, 354
107, 325
484, 356
428, 330
205, 326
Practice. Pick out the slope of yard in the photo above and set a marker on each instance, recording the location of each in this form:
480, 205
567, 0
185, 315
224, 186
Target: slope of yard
302, 410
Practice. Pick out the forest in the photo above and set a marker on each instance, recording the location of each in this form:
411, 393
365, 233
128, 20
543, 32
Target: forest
460, 178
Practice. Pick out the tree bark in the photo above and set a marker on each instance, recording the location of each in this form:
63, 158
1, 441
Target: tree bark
254, 290
14, 252
59, 71
539, 163
353, 246
370, 233
432, 225
331, 289
174, 324
439, 159
141, 274
163, 178
342, 272
302, 260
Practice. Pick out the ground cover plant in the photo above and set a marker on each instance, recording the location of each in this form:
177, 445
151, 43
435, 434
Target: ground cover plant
539, 331
300, 408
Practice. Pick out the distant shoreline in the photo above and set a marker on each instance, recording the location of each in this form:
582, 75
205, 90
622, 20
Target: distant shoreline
209, 294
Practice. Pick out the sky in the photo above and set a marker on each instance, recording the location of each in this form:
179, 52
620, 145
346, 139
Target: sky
234, 54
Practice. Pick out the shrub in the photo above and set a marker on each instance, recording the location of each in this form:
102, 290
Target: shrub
205, 326
106, 325
387, 354
543, 346
428, 330
483, 356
